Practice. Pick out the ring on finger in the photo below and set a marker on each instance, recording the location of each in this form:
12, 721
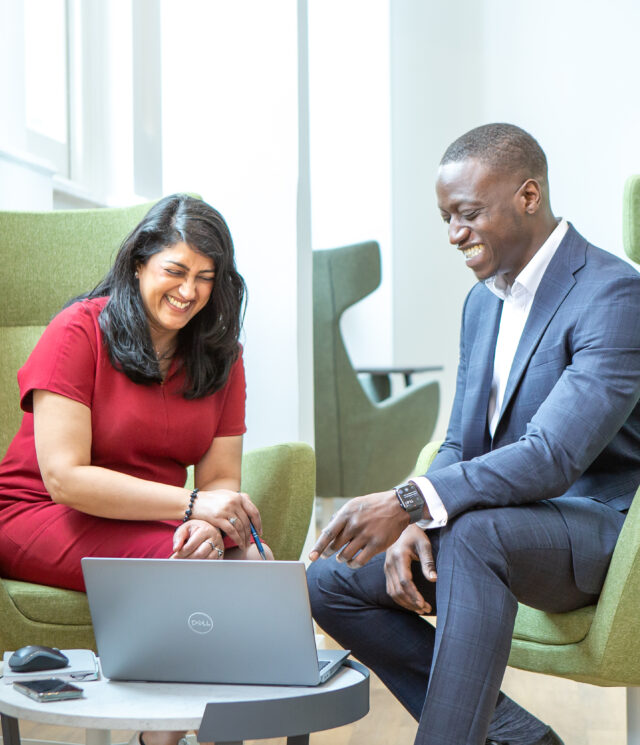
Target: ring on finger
215, 548
233, 520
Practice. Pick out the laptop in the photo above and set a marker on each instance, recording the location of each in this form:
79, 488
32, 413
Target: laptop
198, 621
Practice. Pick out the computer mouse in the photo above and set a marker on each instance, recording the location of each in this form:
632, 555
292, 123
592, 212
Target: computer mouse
34, 657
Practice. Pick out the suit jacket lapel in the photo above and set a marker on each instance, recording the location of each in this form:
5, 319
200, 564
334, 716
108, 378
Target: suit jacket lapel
475, 435
556, 283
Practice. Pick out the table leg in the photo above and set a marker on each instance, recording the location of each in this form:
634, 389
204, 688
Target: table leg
298, 740
98, 737
10, 730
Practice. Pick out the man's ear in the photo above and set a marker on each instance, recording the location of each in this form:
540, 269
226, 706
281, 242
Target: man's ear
530, 196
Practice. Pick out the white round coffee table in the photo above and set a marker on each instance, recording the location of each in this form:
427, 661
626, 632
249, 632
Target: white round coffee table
226, 714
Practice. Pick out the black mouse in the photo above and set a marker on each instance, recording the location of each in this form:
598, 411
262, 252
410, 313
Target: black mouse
32, 658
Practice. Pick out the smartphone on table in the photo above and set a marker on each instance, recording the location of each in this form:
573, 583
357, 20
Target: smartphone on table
49, 689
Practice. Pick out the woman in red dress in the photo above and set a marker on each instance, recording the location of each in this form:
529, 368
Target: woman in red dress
126, 388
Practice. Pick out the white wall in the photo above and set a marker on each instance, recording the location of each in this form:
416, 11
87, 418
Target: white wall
230, 132
351, 152
436, 94
567, 72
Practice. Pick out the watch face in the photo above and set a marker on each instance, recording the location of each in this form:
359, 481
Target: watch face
410, 498
412, 501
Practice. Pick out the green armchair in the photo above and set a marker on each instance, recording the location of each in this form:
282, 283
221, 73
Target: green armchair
362, 443
48, 258
599, 644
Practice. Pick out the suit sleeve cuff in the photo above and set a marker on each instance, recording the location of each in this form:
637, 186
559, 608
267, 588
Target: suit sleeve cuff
439, 516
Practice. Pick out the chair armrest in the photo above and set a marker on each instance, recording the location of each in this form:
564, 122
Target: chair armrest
613, 637
399, 370
281, 481
425, 459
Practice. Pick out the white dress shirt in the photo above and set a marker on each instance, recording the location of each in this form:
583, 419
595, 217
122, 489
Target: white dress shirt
517, 301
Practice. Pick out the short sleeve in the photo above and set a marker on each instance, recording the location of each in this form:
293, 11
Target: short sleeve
232, 418
64, 359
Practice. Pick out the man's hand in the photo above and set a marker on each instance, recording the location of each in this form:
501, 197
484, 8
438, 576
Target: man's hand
364, 526
413, 545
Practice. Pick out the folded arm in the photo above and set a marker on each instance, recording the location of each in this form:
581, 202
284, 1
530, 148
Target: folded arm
63, 436
588, 405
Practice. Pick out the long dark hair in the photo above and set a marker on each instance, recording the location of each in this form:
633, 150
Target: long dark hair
208, 344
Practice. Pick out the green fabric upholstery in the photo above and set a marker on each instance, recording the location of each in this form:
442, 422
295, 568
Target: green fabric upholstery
281, 481
598, 644
48, 258
631, 218
362, 445
36, 614
609, 653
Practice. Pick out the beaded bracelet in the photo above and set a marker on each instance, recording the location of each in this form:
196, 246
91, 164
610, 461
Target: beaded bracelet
192, 498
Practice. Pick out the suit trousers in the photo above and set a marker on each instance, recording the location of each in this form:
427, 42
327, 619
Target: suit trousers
449, 677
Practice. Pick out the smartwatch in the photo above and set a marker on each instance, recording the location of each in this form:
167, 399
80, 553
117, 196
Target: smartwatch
411, 500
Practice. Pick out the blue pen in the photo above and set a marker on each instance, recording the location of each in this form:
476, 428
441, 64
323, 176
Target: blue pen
256, 538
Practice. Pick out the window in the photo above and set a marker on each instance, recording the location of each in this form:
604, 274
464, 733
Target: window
46, 81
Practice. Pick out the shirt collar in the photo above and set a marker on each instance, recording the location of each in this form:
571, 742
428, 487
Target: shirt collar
527, 282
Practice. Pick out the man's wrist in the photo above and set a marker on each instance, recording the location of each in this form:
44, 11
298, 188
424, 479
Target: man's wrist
412, 501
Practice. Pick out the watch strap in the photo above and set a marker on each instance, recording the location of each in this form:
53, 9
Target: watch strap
411, 500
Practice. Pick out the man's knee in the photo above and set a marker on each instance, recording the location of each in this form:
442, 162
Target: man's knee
334, 587
325, 585
478, 532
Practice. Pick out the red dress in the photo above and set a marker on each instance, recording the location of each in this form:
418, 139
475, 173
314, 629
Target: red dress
148, 431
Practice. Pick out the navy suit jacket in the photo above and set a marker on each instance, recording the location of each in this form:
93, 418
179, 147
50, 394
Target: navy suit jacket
569, 428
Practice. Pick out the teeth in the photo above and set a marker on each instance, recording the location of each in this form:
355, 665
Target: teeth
472, 251
177, 303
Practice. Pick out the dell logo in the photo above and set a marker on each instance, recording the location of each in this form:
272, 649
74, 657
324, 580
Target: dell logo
199, 622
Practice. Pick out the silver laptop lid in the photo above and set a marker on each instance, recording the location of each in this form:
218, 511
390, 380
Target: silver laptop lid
202, 621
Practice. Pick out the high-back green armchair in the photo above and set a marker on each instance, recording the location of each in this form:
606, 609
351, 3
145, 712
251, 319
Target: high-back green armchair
362, 445
48, 258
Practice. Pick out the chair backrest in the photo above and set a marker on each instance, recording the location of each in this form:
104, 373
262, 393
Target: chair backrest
341, 277
631, 218
48, 258
613, 638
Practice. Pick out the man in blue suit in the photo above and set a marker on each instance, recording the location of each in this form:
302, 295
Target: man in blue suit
527, 495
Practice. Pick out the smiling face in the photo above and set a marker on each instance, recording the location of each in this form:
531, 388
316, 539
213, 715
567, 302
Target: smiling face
489, 214
175, 284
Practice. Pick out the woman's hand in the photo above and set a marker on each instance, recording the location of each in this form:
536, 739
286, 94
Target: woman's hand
230, 512
197, 539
